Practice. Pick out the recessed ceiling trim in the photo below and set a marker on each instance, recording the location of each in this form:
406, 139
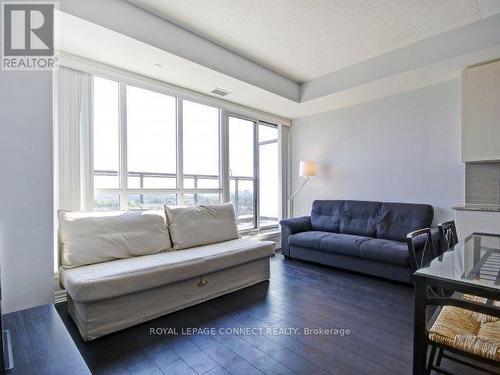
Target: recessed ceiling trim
475, 36
365, 82
305, 40
174, 39
112, 72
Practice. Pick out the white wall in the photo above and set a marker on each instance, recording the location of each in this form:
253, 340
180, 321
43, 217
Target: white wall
403, 148
26, 198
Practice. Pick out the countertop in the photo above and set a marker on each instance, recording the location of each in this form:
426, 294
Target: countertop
478, 207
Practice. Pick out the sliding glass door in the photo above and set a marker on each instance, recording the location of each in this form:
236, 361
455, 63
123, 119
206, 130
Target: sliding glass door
242, 166
254, 172
269, 196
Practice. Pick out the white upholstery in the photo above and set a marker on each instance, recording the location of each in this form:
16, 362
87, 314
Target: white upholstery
125, 276
94, 237
201, 225
117, 271
98, 318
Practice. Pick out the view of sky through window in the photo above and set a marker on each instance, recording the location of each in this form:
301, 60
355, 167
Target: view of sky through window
148, 136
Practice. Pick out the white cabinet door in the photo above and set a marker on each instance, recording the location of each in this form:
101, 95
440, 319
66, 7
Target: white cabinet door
481, 113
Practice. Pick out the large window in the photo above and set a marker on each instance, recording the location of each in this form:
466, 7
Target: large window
151, 140
201, 145
152, 149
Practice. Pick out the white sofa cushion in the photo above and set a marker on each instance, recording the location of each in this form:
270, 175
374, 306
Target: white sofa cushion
201, 225
94, 237
120, 277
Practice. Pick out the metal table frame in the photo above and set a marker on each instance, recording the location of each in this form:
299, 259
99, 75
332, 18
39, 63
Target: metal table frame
425, 298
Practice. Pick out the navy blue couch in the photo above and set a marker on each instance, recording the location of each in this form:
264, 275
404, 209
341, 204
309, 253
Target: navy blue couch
367, 237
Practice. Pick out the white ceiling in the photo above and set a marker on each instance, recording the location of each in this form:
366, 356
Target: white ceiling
306, 39
137, 40
79, 38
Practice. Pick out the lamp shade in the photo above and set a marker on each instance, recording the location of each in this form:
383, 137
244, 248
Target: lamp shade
307, 168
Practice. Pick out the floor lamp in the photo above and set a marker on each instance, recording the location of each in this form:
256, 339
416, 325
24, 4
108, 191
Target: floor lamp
307, 170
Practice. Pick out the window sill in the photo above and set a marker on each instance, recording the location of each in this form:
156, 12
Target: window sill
271, 234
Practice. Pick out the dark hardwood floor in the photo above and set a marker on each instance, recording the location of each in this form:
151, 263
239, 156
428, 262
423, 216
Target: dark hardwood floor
378, 313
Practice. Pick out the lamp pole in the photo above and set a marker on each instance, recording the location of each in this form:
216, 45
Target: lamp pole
292, 197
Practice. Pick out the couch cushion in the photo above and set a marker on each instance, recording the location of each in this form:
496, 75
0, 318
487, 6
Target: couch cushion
93, 237
386, 251
396, 220
349, 217
359, 218
345, 244
325, 215
338, 243
124, 276
201, 225
310, 240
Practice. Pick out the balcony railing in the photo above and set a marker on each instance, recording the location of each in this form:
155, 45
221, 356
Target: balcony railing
243, 200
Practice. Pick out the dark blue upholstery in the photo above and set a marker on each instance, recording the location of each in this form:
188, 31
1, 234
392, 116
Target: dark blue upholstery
385, 251
338, 243
390, 221
366, 266
346, 244
350, 217
291, 226
396, 220
326, 215
311, 240
357, 232
297, 224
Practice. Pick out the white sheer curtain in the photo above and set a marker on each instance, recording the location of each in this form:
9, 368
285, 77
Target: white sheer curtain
284, 150
73, 98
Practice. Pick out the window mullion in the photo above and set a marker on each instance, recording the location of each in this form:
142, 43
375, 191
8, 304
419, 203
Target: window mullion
256, 175
224, 155
122, 109
283, 172
180, 152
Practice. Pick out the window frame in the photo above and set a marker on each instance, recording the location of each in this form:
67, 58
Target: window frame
224, 186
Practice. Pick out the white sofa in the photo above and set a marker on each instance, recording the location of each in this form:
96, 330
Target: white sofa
123, 268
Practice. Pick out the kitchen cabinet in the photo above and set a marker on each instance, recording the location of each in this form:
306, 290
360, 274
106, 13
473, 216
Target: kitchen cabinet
481, 112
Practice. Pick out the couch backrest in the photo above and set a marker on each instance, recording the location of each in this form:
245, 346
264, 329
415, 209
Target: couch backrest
100, 236
201, 225
350, 217
396, 220
391, 221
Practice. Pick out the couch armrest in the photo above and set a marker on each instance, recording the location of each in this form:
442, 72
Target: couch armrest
291, 226
297, 224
